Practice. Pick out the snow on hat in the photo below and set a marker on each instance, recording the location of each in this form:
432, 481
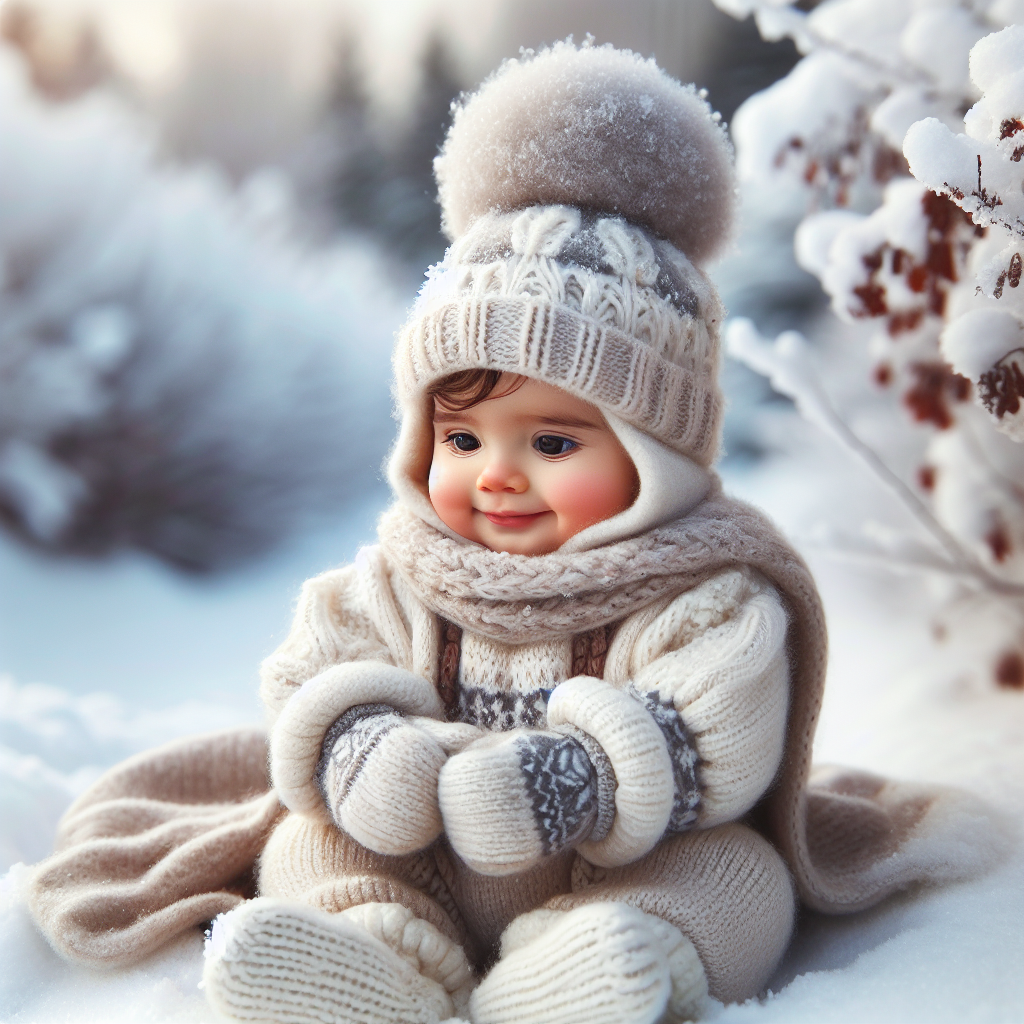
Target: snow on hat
581, 188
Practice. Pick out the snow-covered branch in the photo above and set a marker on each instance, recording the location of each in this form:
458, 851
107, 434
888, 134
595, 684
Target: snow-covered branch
980, 170
912, 217
787, 364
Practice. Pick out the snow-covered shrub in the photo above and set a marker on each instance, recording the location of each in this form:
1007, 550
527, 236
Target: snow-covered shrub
920, 242
176, 371
981, 172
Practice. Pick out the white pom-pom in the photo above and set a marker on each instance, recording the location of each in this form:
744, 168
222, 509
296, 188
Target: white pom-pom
595, 128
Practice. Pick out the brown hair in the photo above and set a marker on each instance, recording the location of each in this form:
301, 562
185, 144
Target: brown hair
461, 391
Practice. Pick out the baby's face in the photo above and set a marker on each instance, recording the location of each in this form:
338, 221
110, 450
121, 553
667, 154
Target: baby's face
524, 472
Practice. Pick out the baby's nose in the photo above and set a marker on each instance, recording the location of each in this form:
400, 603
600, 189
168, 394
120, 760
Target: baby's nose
497, 477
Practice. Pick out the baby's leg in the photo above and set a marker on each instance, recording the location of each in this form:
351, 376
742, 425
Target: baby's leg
315, 863
726, 889
710, 911
339, 933
489, 904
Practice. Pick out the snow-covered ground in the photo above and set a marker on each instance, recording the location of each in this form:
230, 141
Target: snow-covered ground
110, 658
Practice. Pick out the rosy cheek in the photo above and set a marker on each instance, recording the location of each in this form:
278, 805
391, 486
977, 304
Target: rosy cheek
449, 493
440, 485
583, 498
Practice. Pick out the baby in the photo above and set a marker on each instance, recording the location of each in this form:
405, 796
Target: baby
545, 749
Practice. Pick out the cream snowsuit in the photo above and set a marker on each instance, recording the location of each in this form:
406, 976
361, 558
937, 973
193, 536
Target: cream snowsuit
710, 662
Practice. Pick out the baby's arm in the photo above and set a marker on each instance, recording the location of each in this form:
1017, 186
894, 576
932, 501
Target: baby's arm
713, 670
690, 736
345, 742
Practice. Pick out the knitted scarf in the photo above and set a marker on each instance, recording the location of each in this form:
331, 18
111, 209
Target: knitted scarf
527, 598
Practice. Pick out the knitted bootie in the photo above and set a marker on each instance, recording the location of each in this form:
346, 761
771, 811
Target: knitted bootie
272, 960
603, 963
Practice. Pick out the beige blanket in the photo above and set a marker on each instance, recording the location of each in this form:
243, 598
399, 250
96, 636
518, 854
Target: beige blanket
161, 843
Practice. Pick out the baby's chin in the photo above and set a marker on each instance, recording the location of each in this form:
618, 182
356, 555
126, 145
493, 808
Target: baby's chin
514, 548
541, 539
513, 545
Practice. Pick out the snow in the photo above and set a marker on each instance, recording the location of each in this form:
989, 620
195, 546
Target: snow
938, 42
981, 168
913, 266
905, 105
743, 8
998, 55
993, 263
37, 986
866, 27
815, 235
811, 104
972, 492
976, 341
896, 703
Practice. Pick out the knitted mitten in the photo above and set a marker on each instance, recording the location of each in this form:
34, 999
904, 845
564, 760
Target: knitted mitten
510, 799
271, 960
603, 963
378, 776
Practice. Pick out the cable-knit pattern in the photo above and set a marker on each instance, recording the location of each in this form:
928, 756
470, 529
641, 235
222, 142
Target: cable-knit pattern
527, 598
603, 267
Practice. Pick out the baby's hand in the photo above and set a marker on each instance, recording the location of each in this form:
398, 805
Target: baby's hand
510, 799
378, 776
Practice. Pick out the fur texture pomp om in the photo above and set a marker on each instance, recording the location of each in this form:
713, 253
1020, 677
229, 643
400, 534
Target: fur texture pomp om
594, 128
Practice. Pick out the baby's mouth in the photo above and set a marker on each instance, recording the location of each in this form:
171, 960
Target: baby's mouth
513, 520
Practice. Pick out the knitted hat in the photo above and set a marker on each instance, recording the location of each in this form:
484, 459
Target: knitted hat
581, 188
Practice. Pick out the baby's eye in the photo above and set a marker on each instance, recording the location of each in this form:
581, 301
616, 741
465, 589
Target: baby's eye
552, 444
463, 442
